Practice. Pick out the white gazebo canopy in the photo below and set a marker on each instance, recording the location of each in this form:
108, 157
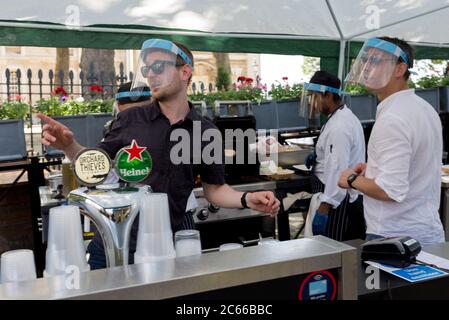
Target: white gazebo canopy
307, 27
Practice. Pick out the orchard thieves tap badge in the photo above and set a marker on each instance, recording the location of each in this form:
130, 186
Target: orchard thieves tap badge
92, 166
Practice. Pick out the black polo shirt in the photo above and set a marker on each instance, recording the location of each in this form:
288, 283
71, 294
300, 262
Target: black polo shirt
151, 128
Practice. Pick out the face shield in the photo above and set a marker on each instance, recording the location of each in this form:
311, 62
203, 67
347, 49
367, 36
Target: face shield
137, 94
375, 64
312, 99
158, 62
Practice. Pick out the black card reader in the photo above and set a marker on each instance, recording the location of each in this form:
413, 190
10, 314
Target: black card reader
398, 251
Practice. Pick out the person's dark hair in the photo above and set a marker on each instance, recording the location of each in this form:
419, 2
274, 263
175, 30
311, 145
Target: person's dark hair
327, 79
408, 50
126, 87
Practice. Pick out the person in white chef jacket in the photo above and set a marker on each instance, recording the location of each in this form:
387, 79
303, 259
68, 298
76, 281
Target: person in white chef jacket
340, 144
401, 181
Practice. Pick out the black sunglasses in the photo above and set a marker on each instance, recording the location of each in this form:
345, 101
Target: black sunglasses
157, 67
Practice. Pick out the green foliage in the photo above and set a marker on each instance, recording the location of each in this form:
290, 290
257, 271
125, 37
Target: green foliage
445, 81
55, 107
354, 89
411, 84
223, 79
14, 110
310, 65
284, 92
51, 107
247, 93
429, 82
433, 82
100, 106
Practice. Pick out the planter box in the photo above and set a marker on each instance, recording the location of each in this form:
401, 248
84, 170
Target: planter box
87, 129
12, 140
95, 127
444, 99
266, 115
288, 115
203, 109
432, 96
363, 106
233, 108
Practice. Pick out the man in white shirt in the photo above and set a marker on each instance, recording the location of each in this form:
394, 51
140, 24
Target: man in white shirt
340, 145
401, 181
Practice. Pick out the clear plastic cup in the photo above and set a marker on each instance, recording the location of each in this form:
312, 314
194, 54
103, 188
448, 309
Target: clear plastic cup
187, 243
230, 246
65, 242
155, 236
17, 265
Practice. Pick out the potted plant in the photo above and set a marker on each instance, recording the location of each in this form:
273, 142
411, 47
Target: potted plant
12, 135
429, 90
244, 90
287, 99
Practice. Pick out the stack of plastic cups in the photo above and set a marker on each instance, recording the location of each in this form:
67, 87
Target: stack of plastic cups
187, 243
155, 236
17, 265
65, 249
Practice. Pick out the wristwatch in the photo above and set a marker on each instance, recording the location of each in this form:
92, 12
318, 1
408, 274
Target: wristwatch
243, 201
351, 179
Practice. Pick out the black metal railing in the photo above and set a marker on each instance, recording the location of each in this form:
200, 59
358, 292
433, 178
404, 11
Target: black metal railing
32, 87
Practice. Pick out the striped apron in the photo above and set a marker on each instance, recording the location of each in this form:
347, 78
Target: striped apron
346, 222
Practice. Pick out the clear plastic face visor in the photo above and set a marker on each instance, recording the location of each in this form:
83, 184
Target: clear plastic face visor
375, 64
312, 99
158, 63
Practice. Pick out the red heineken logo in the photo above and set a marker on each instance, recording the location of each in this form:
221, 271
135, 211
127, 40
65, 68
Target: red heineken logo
134, 152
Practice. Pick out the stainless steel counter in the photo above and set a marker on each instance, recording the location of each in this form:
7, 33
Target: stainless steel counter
198, 274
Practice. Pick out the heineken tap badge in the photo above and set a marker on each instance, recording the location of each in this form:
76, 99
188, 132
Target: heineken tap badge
133, 163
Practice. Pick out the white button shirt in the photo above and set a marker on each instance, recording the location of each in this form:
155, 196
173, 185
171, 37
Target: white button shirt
341, 145
404, 159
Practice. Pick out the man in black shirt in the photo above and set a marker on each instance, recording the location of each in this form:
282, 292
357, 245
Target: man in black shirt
151, 126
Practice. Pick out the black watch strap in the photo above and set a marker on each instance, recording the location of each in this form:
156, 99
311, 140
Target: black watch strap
351, 179
243, 200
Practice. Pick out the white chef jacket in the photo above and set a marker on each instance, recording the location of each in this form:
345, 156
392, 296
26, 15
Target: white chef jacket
404, 159
341, 145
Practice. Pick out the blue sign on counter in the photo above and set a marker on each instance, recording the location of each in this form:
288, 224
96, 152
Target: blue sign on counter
418, 273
